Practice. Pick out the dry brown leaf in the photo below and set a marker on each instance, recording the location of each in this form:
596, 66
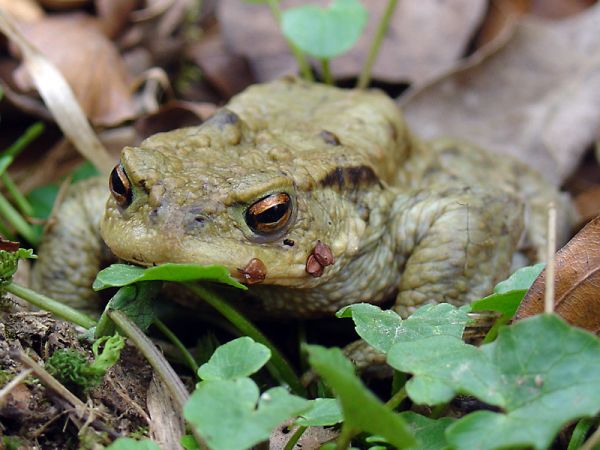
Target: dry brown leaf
501, 15
227, 73
89, 62
65, 4
588, 203
25, 10
58, 97
554, 9
577, 282
113, 15
425, 38
537, 98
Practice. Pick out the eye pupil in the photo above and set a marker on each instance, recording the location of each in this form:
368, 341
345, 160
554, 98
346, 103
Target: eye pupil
269, 214
120, 187
273, 214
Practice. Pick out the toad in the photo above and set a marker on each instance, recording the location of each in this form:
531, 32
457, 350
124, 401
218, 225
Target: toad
314, 196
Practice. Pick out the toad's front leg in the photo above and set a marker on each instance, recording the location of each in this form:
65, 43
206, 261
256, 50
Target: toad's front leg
457, 243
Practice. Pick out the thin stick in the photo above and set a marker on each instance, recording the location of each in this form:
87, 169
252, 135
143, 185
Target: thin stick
52, 383
365, 75
549, 294
14, 383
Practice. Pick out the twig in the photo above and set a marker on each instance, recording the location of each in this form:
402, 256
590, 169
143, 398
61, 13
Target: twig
52, 383
549, 287
14, 383
158, 362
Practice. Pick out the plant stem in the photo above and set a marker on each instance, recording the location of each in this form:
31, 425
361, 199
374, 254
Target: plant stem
278, 366
20, 200
187, 356
579, 433
15, 218
55, 307
327, 77
158, 362
294, 438
25, 139
300, 59
398, 398
6, 233
365, 75
345, 437
593, 441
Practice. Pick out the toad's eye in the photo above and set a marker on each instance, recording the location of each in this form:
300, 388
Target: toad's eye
269, 214
120, 186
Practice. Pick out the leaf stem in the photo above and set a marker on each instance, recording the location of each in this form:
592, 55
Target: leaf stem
593, 441
187, 356
345, 437
278, 366
158, 362
397, 398
298, 55
55, 307
365, 75
291, 443
23, 141
579, 433
20, 200
15, 218
327, 77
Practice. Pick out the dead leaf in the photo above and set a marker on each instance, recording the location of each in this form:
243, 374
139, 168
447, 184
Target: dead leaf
536, 98
577, 282
24, 10
89, 62
554, 9
58, 97
65, 4
172, 115
113, 15
227, 73
501, 15
588, 203
425, 38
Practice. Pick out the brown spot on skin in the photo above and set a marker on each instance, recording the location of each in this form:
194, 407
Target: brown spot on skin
329, 137
255, 271
8, 246
323, 254
350, 177
313, 267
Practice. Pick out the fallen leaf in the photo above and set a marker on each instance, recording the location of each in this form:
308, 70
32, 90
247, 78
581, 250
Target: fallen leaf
559, 8
172, 115
113, 15
64, 4
25, 10
89, 62
588, 203
577, 282
536, 98
226, 72
425, 38
58, 97
502, 14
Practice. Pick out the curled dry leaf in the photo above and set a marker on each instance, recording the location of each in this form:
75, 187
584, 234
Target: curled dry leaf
113, 15
424, 39
536, 98
89, 62
577, 282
